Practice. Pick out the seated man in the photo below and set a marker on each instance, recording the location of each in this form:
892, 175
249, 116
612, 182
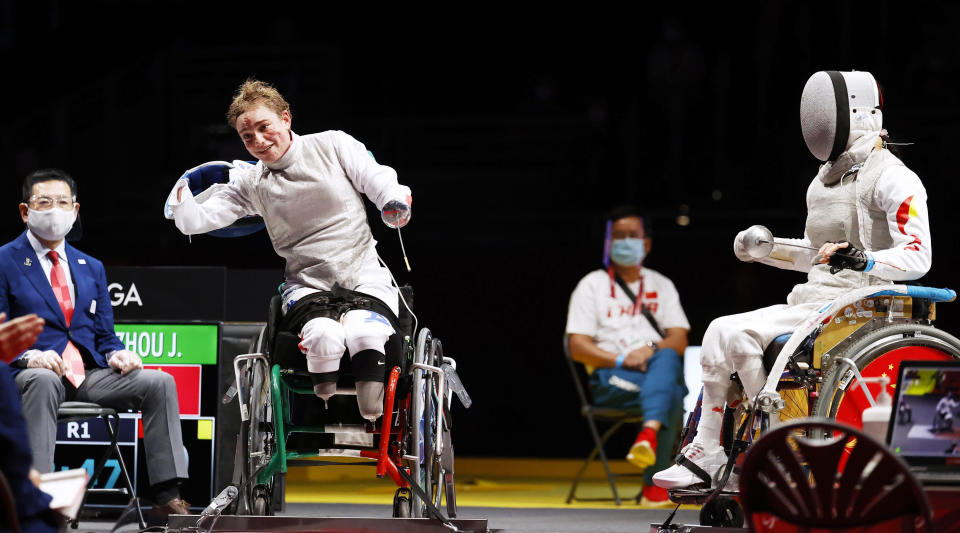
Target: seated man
308, 191
627, 327
31, 504
866, 225
78, 357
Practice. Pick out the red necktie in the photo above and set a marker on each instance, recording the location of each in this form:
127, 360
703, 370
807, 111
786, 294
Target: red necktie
71, 356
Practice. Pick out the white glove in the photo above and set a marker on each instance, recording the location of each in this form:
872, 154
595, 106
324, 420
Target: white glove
125, 361
740, 250
48, 359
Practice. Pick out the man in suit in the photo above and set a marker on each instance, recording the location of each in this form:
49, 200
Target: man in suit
77, 356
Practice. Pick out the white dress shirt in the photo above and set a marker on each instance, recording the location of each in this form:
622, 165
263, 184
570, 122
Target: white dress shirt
47, 264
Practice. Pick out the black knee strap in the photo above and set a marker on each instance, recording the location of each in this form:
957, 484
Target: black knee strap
697, 471
324, 377
368, 365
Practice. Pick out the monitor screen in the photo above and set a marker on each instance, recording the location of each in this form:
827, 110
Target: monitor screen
925, 423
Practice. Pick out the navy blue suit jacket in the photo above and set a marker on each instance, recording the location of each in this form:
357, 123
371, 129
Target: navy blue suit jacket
32, 504
24, 289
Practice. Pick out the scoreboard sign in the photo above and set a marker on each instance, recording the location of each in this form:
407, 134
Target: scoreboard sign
187, 351
171, 343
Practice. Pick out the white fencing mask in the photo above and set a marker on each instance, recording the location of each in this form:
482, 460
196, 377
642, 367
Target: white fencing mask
836, 109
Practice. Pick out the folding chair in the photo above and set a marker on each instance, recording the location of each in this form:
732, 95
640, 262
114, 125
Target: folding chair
592, 413
79, 411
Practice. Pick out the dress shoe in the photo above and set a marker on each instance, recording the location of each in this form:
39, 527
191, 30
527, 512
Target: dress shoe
174, 506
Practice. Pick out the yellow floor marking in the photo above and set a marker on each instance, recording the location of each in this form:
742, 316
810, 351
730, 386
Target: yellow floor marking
482, 482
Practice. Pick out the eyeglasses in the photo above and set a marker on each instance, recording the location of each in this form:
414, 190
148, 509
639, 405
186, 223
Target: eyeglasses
43, 203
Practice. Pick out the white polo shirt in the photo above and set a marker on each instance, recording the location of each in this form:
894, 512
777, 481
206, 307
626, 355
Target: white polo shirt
611, 320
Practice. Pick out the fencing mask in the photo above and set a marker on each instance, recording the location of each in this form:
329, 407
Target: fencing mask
836, 109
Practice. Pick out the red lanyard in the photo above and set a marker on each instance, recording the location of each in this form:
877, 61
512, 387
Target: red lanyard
637, 305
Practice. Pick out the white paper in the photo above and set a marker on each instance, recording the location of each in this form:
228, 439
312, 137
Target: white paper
67, 488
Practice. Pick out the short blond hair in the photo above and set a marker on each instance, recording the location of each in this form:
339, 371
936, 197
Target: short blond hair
252, 93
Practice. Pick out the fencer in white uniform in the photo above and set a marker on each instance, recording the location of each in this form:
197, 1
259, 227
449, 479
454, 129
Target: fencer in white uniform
863, 202
308, 191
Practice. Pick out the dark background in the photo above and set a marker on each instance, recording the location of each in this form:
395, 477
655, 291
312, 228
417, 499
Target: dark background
515, 133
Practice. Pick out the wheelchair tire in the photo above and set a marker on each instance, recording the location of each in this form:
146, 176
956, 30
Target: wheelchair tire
256, 438
261, 501
880, 351
401, 503
430, 461
446, 466
418, 422
721, 512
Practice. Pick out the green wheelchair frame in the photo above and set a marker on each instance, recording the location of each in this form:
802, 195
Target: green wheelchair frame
414, 445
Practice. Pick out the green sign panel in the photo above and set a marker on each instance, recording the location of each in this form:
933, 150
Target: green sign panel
171, 344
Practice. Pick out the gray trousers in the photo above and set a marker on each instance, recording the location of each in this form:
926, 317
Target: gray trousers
150, 391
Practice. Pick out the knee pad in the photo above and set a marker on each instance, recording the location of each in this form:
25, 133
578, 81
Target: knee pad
322, 340
365, 330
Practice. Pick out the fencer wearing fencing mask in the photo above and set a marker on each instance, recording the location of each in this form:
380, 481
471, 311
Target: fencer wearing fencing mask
863, 200
840, 118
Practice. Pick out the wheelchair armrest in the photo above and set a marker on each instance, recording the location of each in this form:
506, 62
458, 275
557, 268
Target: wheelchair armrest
928, 293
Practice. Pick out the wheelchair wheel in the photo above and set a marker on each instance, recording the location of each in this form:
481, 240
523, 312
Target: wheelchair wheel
721, 512
446, 465
424, 423
429, 469
879, 352
417, 428
261, 502
257, 438
401, 503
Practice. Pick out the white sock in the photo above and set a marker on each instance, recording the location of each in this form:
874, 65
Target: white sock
711, 411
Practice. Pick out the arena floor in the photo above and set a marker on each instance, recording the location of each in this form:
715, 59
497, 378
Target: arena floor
512, 494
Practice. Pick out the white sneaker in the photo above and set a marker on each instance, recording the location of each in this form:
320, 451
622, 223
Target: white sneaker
678, 477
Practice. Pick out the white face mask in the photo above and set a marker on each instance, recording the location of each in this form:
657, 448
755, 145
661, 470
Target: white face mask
52, 224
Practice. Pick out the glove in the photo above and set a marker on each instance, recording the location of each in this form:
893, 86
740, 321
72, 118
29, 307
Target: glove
740, 250
396, 214
48, 359
850, 257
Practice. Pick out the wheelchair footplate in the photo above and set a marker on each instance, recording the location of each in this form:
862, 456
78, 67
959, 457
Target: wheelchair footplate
696, 496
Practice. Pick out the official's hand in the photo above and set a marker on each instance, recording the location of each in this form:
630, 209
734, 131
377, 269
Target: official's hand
50, 360
18, 334
637, 359
125, 361
34, 477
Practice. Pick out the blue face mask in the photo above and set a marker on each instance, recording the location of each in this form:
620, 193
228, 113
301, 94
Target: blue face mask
627, 252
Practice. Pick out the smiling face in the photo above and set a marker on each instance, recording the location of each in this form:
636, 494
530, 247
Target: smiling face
265, 134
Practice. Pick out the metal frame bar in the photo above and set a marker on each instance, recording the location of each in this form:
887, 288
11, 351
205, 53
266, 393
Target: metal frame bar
113, 449
600, 442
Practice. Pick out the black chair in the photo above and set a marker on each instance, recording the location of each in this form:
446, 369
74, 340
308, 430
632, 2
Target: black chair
79, 411
593, 414
818, 473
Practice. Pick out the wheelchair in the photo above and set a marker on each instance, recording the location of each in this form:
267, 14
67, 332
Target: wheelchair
284, 424
863, 335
